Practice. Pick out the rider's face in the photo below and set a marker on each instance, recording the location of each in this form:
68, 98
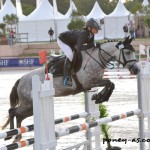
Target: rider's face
94, 30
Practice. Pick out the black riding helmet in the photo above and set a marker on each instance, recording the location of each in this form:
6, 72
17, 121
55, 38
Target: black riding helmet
93, 23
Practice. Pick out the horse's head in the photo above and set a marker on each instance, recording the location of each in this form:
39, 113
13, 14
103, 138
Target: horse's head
126, 55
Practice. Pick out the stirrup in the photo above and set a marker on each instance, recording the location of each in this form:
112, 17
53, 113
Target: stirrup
67, 82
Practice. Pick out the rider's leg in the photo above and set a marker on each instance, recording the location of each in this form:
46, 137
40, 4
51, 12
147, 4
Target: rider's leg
67, 68
69, 57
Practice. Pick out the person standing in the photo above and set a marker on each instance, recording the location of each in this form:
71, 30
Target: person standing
82, 39
51, 33
125, 29
132, 32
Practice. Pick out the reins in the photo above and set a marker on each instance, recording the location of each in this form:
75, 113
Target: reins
103, 60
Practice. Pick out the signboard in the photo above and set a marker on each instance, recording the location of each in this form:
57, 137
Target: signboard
20, 62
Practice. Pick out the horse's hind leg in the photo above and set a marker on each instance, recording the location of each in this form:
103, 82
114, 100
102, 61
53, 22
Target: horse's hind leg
25, 112
11, 119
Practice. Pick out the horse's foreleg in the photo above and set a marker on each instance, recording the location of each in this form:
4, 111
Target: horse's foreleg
109, 92
105, 93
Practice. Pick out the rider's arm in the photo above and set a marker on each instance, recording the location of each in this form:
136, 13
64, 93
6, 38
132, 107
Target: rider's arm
82, 43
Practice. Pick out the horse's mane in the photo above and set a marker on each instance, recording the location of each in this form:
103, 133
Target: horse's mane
113, 40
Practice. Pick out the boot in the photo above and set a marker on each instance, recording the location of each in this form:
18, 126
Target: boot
67, 66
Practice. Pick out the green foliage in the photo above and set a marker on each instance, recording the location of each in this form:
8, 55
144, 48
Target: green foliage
133, 6
84, 6
147, 22
27, 9
145, 10
77, 22
63, 5
10, 19
105, 127
2, 27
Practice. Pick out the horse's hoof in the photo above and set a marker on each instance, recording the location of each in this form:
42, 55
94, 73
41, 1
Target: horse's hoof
17, 138
94, 97
98, 101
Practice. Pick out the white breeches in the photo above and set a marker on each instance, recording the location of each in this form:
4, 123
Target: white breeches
66, 49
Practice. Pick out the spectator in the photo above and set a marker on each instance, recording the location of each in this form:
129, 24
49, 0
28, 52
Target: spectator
132, 31
125, 29
12, 36
51, 32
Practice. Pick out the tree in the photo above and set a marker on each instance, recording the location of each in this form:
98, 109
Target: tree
77, 21
2, 27
147, 22
10, 19
27, 9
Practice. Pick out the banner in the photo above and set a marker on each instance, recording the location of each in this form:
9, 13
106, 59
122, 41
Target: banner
20, 62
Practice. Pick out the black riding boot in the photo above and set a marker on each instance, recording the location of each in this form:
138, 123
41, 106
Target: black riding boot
67, 66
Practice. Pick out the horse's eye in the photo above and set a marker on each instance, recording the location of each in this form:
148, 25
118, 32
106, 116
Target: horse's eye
128, 52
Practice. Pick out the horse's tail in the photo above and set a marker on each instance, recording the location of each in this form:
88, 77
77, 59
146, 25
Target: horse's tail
14, 100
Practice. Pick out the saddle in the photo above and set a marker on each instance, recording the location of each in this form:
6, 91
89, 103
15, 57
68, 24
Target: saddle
56, 64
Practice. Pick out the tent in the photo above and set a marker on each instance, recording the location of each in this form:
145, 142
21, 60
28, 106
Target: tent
38, 22
19, 10
97, 13
38, 3
71, 8
41, 19
115, 21
145, 3
61, 21
8, 8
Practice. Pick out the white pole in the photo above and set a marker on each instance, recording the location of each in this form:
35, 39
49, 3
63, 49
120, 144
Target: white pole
43, 108
93, 111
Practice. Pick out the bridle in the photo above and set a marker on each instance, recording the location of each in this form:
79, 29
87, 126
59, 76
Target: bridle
104, 63
122, 47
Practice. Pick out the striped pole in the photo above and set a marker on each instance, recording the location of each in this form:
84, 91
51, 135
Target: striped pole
17, 145
31, 127
101, 121
75, 129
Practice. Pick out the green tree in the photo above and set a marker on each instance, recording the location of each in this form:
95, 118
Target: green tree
2, 27
77, 21
27, 9
106, 6
147, 22
11, 19
133, 6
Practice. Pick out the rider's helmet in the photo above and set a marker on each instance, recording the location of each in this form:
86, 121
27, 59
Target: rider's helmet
94, 23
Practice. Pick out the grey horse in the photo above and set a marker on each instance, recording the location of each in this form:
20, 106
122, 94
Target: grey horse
89, 75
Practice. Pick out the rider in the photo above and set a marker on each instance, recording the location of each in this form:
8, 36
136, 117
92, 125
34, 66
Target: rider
82, 39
